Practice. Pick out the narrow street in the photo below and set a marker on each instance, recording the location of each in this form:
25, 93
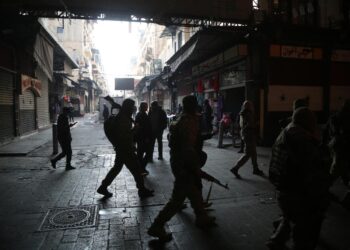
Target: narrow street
30, 188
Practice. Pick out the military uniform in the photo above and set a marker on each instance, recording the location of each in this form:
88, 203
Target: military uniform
143, 137
185, 165
125, 154
64, 138
300, 174
248, 134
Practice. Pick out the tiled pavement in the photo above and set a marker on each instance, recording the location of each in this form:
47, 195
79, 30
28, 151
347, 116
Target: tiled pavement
29, 187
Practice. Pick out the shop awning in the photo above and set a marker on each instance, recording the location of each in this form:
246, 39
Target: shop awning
146, 82
204, 44
43, 54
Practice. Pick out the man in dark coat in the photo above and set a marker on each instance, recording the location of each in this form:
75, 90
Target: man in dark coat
299, 169
159, 122
143, 136
248, 134
64, 138
185, 144
105, 112
125, 152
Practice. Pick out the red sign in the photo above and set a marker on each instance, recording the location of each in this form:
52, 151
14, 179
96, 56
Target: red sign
28, 82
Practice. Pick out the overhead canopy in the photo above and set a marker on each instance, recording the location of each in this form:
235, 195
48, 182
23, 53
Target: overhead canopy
202, 45
162, 10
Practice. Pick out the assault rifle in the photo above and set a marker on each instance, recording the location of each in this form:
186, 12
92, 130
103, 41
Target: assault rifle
112, 102
208, 177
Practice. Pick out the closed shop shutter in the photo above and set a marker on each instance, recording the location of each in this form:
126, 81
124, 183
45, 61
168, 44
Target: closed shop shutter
7, 130
42, 102
27, 112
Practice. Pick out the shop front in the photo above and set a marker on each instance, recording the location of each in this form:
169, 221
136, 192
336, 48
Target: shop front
7, 107
30, 89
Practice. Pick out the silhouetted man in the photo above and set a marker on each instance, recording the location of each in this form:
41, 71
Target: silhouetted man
143, 136
125, 152
185, 142
248, 134
159, 122
299, 169
105, 112
64, 138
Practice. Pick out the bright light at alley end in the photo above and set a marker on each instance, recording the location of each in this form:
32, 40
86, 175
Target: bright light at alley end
124, 83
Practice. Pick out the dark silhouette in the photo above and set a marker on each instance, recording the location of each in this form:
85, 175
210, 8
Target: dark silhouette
125, 152
207, 116
248, 134
338, 139
298, 103
159, 122
299, 169
241, 148
282, 224
184, 143
105, 112
179, 109
71, 112
64, 138
143, 136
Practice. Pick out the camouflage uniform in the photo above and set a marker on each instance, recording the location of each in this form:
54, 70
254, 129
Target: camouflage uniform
185, 165
125, 154
300, 173
248, 134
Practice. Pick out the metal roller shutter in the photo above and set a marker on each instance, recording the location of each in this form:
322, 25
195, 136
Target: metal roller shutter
7, 130
42, 102
27, 112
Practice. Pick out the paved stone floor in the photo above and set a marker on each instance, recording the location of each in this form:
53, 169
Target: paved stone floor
29, 187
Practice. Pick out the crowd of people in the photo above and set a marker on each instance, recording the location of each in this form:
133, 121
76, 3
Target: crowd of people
304, 163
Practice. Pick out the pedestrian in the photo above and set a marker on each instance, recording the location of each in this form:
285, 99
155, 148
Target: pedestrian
297, 103
282, 224
71, 112
159, 122
241, 146
105, 112
338, 129
184, 143
125, 152
207, 116
299, 169
143, 136
248, 134
179, 109
64, 138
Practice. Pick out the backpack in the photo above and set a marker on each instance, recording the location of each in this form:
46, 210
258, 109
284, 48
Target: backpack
280, 163
110, 129
173, 135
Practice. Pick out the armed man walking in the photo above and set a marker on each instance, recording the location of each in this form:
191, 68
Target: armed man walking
185, 145
159, 122
299, 169
123, 143
248, 133
64, 138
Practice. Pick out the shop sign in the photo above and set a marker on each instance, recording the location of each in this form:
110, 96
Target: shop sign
28, 82
341, 56
296, 52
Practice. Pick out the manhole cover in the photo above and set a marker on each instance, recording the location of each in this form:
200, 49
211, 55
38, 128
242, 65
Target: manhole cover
72, 217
